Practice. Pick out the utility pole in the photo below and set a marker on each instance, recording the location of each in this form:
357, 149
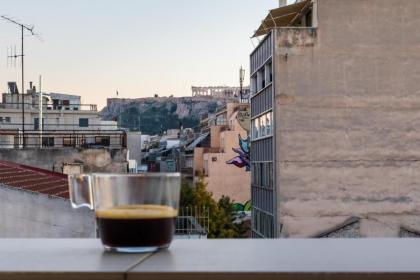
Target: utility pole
22, 27
23, 88
40, 122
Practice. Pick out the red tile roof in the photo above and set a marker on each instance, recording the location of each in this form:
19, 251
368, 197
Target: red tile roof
33, 179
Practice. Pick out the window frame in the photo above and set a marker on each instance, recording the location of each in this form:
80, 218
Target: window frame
81, 122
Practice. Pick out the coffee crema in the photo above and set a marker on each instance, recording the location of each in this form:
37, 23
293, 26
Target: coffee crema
136, 225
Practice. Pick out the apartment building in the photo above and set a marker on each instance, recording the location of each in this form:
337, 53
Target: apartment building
218, 145
66, 122
334, 109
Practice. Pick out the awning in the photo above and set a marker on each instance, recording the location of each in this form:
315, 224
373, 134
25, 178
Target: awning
197, 141
280, 17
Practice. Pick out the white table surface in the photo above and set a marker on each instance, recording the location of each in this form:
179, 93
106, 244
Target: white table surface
214, 259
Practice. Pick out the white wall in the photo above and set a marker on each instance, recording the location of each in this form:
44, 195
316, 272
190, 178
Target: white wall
26, 214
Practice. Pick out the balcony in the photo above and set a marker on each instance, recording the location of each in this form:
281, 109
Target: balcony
50, 107
214, 259
63, 139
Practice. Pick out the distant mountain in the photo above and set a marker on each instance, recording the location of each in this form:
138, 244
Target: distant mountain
156, 115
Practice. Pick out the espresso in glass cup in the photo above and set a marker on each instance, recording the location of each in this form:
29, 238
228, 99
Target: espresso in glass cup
134, 212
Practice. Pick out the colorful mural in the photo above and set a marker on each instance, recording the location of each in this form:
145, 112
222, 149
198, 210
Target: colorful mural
239, 207
242, 159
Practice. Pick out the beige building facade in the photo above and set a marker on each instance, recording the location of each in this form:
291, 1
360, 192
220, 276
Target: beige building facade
222, 178
344, 99
62, 115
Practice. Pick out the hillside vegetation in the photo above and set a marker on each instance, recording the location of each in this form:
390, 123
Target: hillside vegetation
156, 115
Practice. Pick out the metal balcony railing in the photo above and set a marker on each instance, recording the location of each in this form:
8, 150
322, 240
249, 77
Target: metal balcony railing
50, 107
53, 139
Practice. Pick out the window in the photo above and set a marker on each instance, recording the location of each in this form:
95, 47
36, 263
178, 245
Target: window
254, 130
36, 123
55, 104
68, 142
189, 163
48, 141
66, 104
83, 122
262, 174
253, 85
262, 126
268, 123
103, 141
263, 84
1, 119
270, 175
8, 120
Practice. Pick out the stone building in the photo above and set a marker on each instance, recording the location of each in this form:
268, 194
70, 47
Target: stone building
335, 141
223, 92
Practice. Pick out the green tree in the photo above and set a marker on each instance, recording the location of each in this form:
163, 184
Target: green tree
221, 213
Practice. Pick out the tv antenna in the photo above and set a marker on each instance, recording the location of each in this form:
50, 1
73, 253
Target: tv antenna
11, 57
14, 56
241, 82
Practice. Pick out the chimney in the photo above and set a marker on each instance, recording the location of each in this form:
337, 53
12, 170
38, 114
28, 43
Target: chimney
282, 3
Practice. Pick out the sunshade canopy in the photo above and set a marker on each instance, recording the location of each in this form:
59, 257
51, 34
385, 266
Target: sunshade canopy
280, 17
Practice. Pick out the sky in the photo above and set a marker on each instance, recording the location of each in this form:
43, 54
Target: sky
138, 48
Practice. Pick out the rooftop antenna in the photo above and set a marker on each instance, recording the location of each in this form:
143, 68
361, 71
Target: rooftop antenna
11, 56
22, 28
241, 82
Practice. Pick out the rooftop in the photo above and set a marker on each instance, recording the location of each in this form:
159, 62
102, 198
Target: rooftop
33, 179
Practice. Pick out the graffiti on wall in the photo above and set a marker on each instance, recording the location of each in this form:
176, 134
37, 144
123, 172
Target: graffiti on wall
239, 207
243, 154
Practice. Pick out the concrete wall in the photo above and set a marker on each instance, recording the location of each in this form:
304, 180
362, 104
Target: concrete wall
198, 161
94, 160
215, 135
26, 214
347, 119
134, 145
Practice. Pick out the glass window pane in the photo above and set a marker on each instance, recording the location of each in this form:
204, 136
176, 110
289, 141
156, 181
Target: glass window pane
83, 122
268, 123
254, 129
262, 126
258, 133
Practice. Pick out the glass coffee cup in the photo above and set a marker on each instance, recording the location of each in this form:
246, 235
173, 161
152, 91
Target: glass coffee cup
134, 212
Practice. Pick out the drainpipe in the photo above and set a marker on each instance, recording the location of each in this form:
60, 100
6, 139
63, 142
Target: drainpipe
314, 13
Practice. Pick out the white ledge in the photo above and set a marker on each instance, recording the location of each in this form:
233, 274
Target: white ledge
214, 259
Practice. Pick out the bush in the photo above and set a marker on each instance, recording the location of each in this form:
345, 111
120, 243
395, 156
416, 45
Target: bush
221, 213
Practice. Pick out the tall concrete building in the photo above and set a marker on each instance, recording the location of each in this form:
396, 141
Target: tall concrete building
335, 120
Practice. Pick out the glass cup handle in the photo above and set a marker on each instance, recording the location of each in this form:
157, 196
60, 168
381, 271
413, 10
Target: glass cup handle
81, 192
